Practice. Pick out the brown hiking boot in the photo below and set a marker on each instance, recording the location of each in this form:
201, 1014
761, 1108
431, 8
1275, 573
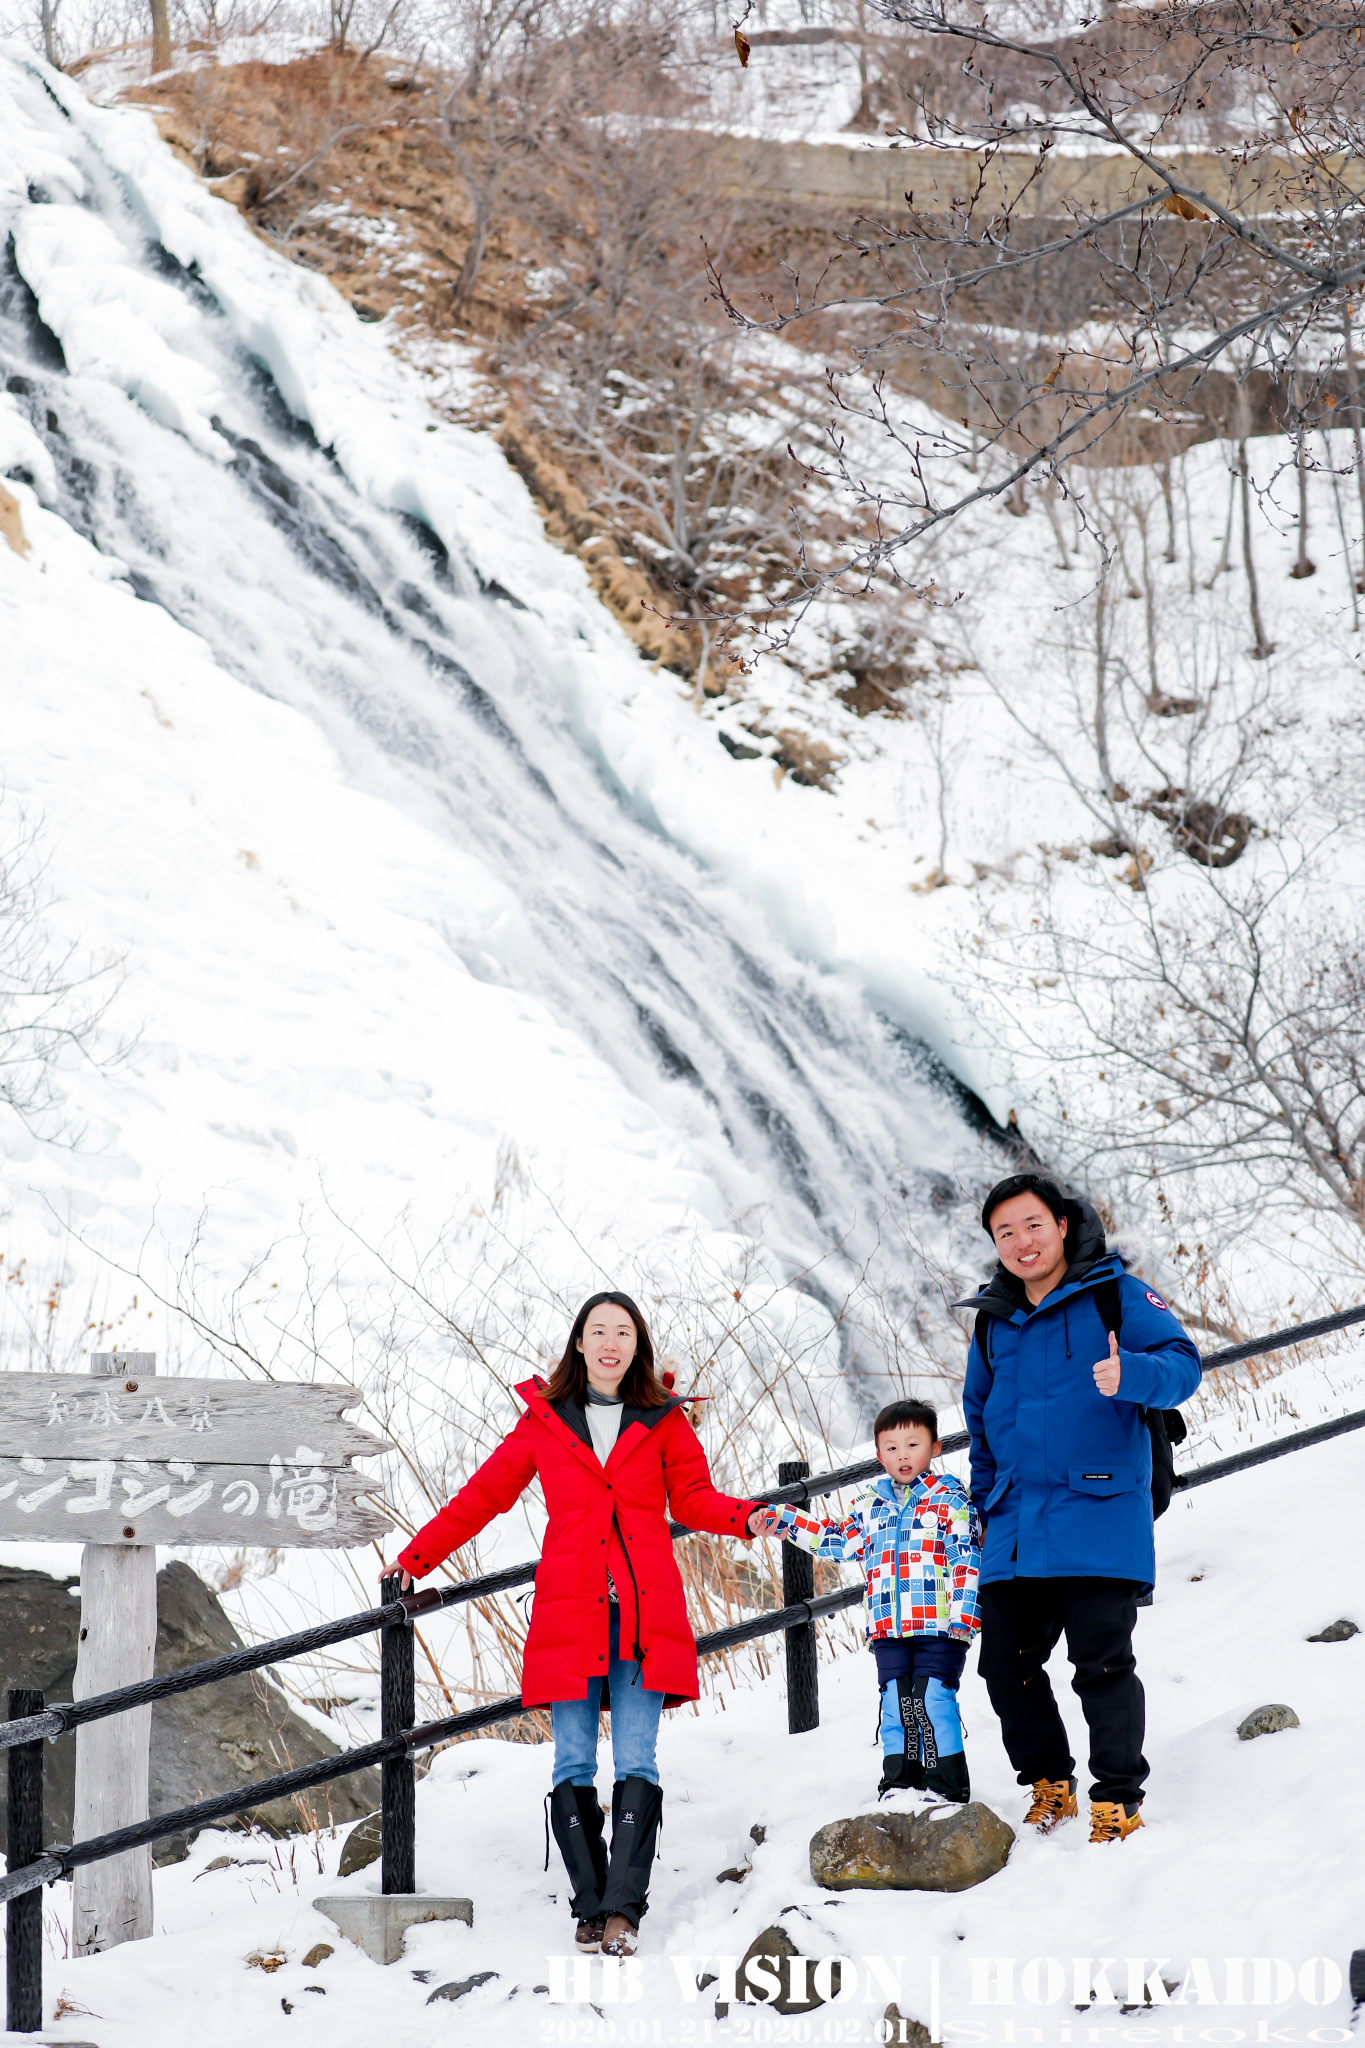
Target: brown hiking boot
1110, 1823
589, 1936
1053, 1801
619, 1938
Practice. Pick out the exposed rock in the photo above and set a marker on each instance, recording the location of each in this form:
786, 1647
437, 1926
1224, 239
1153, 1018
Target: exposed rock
738, 750
778, 1949
318, 1953
1336, 1632
458, 1990
916, 1852
362, 1846
1266, 1721
758, 1835
806, 760
622, 585
40, 1619
1203, 830
203, 1742
903, 2032
868, 694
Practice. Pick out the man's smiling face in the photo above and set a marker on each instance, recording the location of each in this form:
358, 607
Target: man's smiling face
1030, 1242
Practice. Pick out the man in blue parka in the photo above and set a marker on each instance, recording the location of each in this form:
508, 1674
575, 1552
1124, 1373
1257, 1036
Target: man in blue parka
1068, 1353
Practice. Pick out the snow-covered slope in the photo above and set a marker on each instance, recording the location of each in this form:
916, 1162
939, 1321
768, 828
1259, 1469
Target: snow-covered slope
1248, 1850
409, 856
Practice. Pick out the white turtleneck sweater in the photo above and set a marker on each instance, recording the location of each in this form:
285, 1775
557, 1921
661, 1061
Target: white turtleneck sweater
604, 1426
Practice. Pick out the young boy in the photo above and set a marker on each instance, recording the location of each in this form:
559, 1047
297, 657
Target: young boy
920, 1544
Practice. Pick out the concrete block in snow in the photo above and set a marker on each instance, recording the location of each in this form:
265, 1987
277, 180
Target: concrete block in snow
379, 1925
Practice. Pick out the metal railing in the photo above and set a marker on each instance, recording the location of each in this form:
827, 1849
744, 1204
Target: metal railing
31, 1721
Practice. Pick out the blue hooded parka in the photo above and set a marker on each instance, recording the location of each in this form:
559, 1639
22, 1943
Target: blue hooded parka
1061, 1474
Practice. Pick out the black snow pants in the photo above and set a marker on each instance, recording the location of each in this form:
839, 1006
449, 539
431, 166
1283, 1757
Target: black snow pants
1021, 1623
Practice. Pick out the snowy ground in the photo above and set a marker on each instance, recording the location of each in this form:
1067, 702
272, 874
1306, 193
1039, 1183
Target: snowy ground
1248, 1851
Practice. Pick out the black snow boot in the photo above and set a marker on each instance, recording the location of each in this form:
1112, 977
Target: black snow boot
636, 1807
948, 1779
576, 1819
900, 1773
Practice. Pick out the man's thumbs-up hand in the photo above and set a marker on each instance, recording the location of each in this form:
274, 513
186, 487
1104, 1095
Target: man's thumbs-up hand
1107, 1371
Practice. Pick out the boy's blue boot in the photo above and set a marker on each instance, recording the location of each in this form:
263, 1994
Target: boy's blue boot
928, 1712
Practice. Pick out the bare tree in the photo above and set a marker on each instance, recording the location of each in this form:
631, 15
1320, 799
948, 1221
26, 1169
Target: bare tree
161, 36
1179, 1000
1049, 312
54, 997
1202, 1030
678, 429
48, 10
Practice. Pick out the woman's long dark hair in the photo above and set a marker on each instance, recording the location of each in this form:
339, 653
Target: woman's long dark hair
640, 1386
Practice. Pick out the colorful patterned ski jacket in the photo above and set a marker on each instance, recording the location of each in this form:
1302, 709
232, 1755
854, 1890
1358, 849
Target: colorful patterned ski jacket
921, 1556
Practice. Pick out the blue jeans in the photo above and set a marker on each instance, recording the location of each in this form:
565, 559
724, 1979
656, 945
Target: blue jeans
634, 1722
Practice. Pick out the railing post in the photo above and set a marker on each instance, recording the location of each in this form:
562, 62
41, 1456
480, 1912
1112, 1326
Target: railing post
398, 1776
111, 1902
24, 1844
798, 1583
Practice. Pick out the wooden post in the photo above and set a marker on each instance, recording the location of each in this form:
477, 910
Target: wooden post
397, 1776
798, 1583
112, 1901
24, 1844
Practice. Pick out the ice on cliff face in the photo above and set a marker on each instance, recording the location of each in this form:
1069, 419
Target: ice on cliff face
404, 871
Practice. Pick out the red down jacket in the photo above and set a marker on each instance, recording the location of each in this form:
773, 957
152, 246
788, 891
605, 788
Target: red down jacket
599, 1517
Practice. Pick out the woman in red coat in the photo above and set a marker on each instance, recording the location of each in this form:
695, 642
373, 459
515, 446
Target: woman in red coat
615, 1457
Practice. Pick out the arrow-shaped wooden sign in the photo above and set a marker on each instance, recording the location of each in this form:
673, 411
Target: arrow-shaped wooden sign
139, 1458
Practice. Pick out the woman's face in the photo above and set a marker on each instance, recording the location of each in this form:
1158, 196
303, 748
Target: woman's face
608, 1346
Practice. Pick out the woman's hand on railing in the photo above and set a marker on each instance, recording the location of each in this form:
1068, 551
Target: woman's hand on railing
388, 1572
763, 1521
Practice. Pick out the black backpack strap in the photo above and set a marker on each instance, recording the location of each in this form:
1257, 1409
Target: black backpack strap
1164, 1426
1110, 1306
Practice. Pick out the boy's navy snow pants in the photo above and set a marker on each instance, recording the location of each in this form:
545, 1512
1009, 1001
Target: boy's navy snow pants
1021, 1621
919, 1677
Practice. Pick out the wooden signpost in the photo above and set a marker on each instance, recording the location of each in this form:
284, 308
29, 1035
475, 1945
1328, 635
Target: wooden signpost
134, 1460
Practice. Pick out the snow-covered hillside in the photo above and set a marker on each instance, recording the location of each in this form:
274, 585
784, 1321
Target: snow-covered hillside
409, 857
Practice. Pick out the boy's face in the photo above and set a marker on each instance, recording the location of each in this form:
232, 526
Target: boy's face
906, 1451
